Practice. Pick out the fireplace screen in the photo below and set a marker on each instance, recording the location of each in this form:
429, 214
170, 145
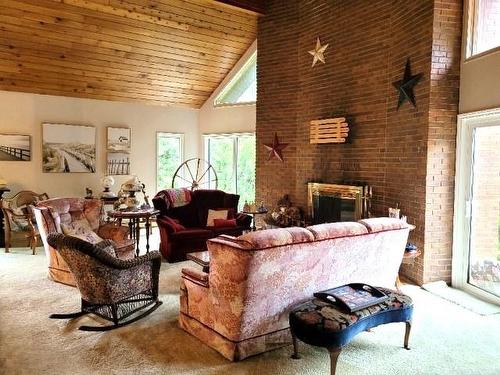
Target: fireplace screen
331, 203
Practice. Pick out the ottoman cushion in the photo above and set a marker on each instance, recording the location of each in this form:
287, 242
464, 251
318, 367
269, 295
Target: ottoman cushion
323, 324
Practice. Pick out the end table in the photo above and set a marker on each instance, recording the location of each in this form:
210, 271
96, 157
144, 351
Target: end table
254, 214
134, 218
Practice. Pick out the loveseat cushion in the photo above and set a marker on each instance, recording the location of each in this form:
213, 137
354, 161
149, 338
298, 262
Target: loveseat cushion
263, 239
336, 230
212, 200
195, 233
381, 224
231, 231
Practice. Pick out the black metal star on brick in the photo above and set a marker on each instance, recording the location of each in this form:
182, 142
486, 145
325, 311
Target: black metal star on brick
405, 86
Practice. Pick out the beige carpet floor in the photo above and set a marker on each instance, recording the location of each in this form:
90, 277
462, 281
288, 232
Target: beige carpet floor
446, 339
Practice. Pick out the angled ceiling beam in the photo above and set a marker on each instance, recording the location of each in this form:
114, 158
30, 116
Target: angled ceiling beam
249, 6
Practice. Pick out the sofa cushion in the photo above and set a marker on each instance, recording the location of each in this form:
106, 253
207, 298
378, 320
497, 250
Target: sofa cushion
187, 215
214, 199
262, 239
66, 210
220, 223
230, 231
336, 230
380, 224
81, 229
195, 233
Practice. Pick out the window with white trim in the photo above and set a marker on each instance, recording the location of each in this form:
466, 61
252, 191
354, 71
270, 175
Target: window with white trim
169, 155
242, 88
233, 158
483, 26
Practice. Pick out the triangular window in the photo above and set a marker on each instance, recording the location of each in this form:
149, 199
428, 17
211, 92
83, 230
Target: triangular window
242, 88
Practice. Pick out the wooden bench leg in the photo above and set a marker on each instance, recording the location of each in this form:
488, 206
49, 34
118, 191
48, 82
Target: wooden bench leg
295, 342
334, 356
407, 334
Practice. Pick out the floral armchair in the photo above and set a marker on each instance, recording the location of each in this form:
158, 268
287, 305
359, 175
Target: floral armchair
53, 215
111, 288
19, 219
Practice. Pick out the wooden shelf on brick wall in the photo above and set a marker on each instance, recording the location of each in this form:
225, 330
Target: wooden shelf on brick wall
329, 130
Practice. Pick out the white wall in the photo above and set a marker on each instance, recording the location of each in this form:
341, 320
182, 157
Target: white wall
24, 113
229, 119
480, 83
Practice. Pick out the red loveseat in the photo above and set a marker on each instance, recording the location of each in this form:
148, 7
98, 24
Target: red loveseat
184, 230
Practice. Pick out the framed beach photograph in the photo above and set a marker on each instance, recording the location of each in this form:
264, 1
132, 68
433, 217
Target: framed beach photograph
68, 148
118, 139
15, 147
118, 163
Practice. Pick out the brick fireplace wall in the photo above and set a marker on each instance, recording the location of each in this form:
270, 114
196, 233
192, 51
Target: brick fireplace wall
388, 148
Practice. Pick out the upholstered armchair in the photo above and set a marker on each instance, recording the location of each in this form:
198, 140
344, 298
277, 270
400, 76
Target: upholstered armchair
53, 214
111, 288
19, 219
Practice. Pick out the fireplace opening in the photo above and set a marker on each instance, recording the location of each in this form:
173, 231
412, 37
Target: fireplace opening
328, 203
329, 209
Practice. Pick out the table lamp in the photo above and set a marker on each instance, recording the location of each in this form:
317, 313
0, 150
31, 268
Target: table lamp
106, 183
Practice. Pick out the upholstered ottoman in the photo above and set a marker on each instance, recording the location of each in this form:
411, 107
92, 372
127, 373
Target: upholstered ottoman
323, 324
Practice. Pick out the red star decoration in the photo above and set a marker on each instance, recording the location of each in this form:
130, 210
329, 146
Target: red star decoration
275, 148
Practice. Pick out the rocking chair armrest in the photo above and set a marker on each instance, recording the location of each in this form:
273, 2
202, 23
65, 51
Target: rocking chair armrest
153, 256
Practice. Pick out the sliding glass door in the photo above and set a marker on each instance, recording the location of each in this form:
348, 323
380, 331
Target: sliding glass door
477, 206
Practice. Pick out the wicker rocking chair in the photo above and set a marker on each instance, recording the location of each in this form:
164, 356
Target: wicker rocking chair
111, 288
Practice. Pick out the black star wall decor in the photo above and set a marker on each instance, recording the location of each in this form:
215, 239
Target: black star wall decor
405, 86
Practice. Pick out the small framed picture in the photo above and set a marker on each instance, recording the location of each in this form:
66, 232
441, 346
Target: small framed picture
15, 147
118, 139
118, 163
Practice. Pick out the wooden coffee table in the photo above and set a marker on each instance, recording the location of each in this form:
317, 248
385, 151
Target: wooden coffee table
202, 258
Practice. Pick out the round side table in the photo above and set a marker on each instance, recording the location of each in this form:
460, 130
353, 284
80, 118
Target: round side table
254, 214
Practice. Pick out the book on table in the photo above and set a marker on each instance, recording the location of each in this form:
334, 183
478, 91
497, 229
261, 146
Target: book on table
352, 297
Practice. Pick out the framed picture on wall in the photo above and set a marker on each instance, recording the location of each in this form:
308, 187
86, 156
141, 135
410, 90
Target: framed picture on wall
68, 148
15, 147
118, 139
118, 163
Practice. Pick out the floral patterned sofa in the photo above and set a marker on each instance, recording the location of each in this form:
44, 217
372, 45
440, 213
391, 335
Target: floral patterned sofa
240, 308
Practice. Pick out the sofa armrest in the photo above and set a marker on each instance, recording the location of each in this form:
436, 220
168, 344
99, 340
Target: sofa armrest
164, 222
197, 277
243, 220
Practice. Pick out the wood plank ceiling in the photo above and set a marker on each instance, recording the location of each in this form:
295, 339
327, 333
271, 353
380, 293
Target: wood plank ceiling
164, 52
